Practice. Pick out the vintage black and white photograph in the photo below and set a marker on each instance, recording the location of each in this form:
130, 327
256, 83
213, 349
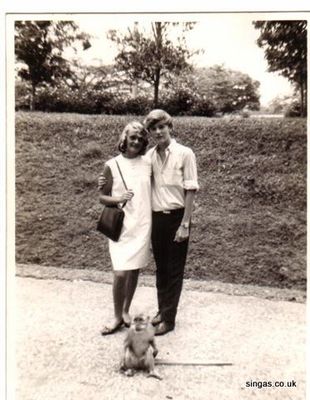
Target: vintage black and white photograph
159, 179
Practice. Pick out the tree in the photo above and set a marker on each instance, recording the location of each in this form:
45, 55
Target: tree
152, 59
285, 46
280, 103
84, 77
39, 46
229, 90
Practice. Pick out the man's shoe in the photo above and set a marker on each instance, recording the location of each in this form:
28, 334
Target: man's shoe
157, 319
163, 328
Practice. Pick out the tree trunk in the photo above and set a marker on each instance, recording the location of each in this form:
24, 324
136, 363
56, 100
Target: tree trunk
156, 87
158, 36
302, 100
134, 90
306, 99
32, 98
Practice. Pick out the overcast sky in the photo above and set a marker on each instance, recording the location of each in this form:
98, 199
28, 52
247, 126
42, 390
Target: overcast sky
227, 39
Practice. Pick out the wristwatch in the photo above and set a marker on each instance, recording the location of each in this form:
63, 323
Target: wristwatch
185, 225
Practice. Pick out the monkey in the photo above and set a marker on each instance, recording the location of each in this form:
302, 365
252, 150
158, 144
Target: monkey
140, 348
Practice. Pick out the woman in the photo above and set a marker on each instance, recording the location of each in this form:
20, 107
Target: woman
131, 251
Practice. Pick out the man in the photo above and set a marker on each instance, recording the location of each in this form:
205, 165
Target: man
174, 184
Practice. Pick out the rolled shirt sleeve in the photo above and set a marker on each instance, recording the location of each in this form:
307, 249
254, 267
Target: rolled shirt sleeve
190, 177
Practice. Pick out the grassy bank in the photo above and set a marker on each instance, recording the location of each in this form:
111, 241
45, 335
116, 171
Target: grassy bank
249, 223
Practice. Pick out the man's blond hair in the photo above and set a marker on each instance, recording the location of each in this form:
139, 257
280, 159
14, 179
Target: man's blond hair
155, 116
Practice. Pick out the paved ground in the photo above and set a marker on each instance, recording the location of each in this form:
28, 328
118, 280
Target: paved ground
61, 355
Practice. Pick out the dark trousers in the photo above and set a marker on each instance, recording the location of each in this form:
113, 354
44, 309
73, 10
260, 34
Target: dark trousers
170, 258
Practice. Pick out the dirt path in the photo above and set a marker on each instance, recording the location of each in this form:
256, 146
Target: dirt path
61, 355
94, 275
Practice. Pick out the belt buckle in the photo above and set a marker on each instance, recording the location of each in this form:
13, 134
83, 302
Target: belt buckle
166, 212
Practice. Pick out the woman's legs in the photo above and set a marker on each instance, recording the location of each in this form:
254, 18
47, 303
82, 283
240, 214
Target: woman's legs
124, 287
118, 290
119, 293
131, 285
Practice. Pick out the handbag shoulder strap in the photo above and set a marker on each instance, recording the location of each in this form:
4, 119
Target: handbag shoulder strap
120, 172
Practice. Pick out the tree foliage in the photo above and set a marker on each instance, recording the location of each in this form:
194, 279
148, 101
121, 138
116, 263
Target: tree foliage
281, 103
85, 77
39, 45
228, 90
285, 46
152, 58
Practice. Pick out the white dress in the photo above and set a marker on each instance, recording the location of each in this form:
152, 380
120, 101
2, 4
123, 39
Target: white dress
132, 251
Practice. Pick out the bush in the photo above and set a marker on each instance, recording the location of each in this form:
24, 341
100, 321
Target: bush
177, 102
64, 99
202, 107
74, 101
120, 105
184, 102
91, 151
22, 96
293, 109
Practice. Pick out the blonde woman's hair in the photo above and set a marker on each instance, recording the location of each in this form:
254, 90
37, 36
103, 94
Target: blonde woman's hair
136, 127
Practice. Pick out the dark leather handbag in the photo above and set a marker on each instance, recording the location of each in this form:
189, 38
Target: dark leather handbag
111, 219
111, 222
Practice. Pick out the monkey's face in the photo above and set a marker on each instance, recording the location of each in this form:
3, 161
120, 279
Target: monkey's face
140, 322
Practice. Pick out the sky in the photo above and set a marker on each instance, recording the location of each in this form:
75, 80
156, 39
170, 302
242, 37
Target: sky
226, 39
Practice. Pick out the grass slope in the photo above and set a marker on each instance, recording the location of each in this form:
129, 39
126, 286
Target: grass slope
249, 222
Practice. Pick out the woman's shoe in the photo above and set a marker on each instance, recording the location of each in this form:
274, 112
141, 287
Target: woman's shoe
109, 330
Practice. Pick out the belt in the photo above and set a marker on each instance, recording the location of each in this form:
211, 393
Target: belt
175, 211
